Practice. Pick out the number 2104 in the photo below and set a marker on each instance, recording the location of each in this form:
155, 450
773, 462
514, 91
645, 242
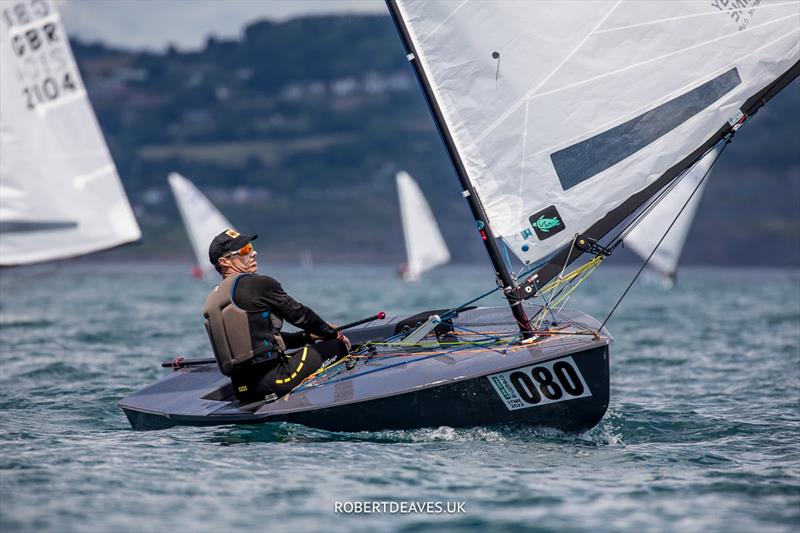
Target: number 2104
49, 89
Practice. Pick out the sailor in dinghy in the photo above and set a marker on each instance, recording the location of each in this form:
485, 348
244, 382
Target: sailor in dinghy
243, 317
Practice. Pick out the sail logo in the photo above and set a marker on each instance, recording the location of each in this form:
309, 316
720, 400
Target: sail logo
736, 10
545, 223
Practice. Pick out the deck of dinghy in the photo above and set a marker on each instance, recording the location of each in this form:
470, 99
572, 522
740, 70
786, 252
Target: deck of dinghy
466, 374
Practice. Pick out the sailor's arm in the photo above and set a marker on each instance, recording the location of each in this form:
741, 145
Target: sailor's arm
295, 339
294, 312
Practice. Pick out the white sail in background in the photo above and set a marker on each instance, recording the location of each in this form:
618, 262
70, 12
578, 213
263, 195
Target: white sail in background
644, 237
562, 111
203, 221
425, 246
60, 195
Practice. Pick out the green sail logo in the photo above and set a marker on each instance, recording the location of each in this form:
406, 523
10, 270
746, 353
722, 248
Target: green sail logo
546, 224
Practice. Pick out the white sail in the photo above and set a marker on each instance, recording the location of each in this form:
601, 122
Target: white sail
203, 221
425, 246
60, 195
644, 237
562, 111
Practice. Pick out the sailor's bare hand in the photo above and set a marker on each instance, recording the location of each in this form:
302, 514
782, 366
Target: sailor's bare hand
342, 337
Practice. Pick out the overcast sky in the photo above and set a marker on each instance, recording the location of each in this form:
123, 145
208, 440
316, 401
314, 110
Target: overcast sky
153, 24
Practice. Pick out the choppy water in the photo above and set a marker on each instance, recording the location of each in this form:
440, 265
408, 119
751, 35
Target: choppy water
702, 433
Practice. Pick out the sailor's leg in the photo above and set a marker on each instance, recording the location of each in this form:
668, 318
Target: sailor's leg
300, 365
330, 351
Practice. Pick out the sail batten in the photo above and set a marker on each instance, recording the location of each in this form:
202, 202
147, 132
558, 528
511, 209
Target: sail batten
569, 116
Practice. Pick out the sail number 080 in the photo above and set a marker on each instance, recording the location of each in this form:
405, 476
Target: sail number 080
542, 382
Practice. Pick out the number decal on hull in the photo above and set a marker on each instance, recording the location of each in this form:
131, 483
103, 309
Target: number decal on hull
531, 386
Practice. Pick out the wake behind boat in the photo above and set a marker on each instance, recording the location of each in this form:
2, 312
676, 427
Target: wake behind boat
470, 372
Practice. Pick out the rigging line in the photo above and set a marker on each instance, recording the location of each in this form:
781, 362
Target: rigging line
657, 198
624, 232
727, 142
585, 270
569, 254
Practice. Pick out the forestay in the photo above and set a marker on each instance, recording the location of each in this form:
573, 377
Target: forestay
59, 187
684, 199
203, 221
425, 246
562, 111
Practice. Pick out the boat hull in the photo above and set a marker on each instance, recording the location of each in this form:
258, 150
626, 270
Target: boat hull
468, 403
560, 382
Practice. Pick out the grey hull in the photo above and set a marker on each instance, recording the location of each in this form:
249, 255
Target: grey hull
407, 391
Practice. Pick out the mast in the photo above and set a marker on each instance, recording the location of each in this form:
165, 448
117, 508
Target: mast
507, 281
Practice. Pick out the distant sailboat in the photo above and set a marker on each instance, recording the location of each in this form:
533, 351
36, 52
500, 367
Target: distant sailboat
60, 195
645, 235
425, 246
203, 221
306, 260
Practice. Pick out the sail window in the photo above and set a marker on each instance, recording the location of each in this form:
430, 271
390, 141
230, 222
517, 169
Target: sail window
579, 162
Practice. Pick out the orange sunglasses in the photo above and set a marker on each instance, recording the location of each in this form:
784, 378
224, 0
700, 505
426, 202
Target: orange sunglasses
244, 250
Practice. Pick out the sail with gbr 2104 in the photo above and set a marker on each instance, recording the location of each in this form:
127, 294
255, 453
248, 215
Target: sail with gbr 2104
59, 186
562, 120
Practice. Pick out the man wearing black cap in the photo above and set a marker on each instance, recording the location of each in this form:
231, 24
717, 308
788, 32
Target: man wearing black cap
243, 317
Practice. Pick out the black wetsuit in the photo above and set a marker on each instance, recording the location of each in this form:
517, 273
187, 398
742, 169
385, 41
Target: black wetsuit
256, 293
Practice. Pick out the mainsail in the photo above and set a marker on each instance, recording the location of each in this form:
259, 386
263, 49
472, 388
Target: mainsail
425, 246
203, 221
60, 195
563, 118
681, 202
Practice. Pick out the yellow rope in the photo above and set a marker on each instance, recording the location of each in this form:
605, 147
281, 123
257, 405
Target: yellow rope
582, 271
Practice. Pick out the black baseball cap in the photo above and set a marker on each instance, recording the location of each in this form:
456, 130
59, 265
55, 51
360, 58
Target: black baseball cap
227, 241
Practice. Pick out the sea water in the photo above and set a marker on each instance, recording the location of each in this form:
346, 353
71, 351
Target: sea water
701, 434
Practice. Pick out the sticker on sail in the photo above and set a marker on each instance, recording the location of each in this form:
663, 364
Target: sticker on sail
547, 222
535, 385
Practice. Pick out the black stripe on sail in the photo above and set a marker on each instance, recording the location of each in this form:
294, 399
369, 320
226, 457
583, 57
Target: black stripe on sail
26, 226
579, 162
600, 228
